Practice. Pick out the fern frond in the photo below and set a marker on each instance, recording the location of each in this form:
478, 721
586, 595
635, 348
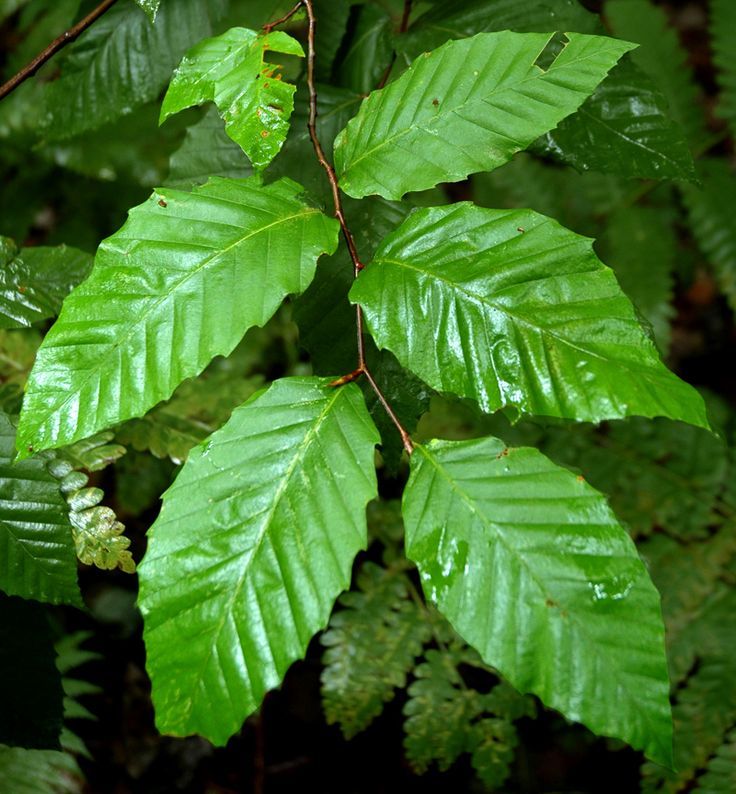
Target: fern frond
445, 718
723, 37
198, 408
720, 774
658, 474
711, 210
576, 200
704, 711
371, 645
98, 535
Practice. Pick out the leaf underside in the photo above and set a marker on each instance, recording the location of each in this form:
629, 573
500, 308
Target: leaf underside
181, 282
468, 106
509, 308
255, 540
533, 570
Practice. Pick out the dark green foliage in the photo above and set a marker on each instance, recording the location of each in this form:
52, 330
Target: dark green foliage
31, 692
382, 637
372, 644
502, 312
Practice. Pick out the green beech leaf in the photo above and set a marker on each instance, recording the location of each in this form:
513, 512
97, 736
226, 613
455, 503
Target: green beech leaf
624, 128
509, 308
207, 151
35, 281
37, 558
532, 569
150, 7
467, 107
255, 541
181, 282
459, 19
120, 63
369, 52
230, 70
662, 56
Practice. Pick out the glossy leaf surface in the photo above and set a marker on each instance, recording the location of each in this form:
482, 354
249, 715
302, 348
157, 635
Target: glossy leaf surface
662, 56
181, 282
466, 107
121, 62
509, 308
255, 541
230, 70
150, 7
532, 569
37, 558
624, 128
35, 281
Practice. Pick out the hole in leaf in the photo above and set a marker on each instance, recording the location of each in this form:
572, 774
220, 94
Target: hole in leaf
551, 51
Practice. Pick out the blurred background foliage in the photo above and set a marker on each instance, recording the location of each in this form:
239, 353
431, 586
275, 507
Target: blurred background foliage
388, 698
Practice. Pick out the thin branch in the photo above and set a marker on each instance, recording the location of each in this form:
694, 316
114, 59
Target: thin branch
57, 44
362, 368
268, 27
405, 437
331, 175
403, 27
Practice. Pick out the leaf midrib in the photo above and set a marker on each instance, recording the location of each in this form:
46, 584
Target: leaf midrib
141, 319
500, 89
498, 534
483, 301
263, 531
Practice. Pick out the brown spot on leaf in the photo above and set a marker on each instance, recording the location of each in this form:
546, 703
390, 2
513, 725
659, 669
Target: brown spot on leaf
550, 603
580, 478
162, 203
435, 102
22, 290
264, 133
520, 229
503, 453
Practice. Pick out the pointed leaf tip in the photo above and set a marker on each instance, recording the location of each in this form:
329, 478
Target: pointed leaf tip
255, 541
509, 308
533, 570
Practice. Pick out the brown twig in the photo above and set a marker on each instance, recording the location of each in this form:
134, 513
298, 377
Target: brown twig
269, 26
362, 368
403, 26
57, 44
